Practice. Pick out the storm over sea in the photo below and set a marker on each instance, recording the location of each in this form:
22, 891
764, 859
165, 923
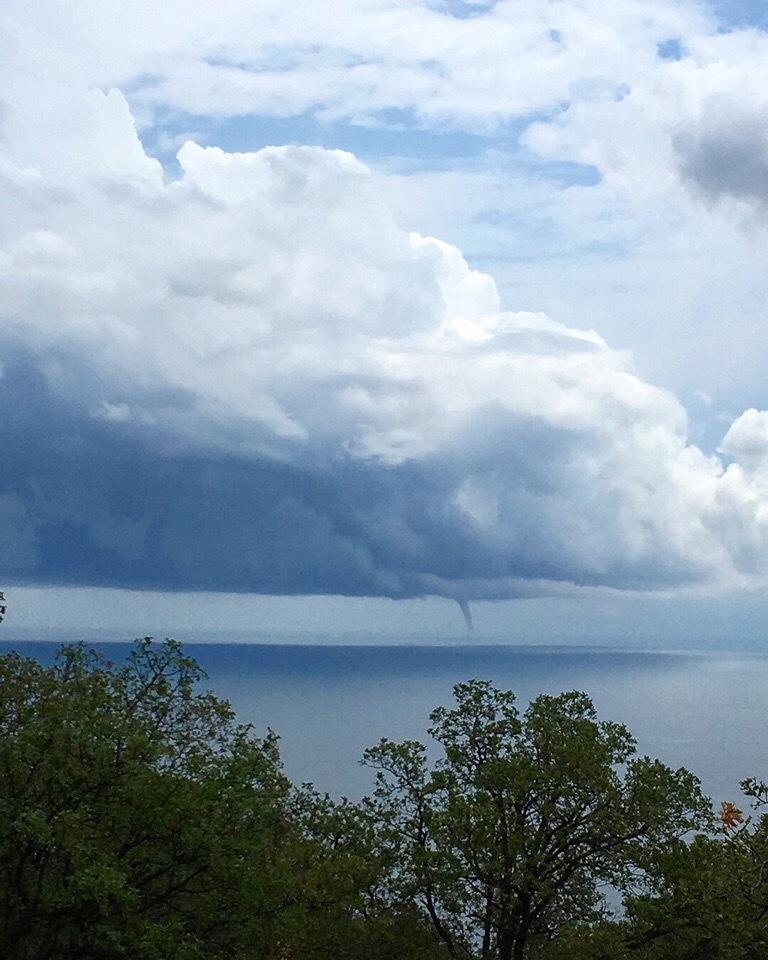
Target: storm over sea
705, 711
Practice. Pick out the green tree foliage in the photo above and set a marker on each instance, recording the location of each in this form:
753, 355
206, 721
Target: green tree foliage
515, 832
134, 814
348, 914
710, 901
139, 820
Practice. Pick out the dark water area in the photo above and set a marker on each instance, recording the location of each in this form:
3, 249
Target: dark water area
705, 711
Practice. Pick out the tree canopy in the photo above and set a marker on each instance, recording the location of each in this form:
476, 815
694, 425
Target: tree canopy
523, 821
139, 820
135, 812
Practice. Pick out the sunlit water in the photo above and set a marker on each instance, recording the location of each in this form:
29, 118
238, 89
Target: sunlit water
707, 712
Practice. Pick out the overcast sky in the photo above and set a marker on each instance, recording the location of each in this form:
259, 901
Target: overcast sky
384, 301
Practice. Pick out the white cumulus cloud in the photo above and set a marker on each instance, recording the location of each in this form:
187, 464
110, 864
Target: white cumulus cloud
265, 309
250, 376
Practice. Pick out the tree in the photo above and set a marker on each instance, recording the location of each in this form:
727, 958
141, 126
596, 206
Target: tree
523, 822
347, 914
136, 818
710, 899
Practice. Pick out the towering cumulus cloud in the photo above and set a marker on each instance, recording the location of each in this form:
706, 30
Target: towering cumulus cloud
251, 378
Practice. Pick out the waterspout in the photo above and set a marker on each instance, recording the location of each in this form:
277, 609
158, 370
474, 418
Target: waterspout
464, 607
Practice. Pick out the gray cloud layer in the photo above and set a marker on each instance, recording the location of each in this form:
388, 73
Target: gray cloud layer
83, 502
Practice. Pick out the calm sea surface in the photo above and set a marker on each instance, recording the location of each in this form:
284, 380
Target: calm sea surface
707, 712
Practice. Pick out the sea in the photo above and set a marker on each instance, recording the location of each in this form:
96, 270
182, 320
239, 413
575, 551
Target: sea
705, 711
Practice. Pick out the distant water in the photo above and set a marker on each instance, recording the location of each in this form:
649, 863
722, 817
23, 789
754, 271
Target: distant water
707, 712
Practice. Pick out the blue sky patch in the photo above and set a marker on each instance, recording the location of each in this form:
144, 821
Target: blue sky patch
742, 13
463, 9
669, 49
392, 133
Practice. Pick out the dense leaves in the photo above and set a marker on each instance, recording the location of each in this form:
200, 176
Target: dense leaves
139, 820
524, 820
134, 812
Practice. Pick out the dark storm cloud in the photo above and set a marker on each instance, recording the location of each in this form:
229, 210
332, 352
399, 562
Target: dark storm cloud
106, 509
88, 504
84, 502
